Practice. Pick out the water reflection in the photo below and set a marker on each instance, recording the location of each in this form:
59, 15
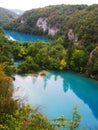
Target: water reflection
85, 89
58, 92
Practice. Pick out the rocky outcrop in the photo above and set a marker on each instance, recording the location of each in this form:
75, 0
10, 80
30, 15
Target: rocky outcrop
23, 20
73, 36
43, 24
52, 31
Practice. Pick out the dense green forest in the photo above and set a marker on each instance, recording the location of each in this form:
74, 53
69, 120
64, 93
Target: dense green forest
6, 15
82, 19
56, 55
14, 115
76, 37
59, 16
74, 47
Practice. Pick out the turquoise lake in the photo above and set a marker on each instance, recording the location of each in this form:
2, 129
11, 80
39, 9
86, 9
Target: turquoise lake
58, 92
22, 37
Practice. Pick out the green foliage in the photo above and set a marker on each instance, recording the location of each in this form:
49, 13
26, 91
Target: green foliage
40, 56
75, 122
27, 119
59, 16
9, 122
69, 124
51, 56
78, 60
82, 19
87, 25
10, 69
15, 116
7, 104
93, 63
63, 64
38, 121
6, 15
95, 67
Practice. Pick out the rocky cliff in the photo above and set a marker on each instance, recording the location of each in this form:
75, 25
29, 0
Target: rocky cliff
42, 23
49, 20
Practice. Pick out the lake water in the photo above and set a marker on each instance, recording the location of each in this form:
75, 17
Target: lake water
22, 37
58, 92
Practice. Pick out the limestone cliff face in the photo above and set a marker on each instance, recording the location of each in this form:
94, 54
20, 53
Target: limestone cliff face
71, 34
52, 30
42, 23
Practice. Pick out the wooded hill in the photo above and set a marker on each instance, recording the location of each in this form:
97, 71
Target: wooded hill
6, 15
57, 20
75, 27
57, 16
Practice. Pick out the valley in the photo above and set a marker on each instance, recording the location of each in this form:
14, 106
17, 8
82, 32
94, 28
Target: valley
49, 60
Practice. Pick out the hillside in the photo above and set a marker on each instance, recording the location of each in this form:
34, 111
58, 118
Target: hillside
6, 15
47, 20
75, 27
57, 20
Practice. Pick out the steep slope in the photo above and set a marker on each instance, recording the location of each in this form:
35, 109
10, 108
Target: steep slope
6, 15
75, 22
48, 20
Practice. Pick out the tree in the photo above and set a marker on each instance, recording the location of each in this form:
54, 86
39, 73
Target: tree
23, 52
65, 123
63, 64
14, 116
78, 60
7, 103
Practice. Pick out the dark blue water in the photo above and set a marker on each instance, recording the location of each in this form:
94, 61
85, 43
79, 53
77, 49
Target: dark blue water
58, 92
22, 37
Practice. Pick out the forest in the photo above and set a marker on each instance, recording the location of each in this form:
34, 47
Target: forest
77, 39
73, 48
6, 16
48, 56
14, 115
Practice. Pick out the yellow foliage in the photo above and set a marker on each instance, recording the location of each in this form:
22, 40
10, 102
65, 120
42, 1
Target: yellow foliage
62, 64
3, 77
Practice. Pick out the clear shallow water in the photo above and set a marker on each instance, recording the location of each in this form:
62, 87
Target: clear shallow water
22, 37
58, 92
